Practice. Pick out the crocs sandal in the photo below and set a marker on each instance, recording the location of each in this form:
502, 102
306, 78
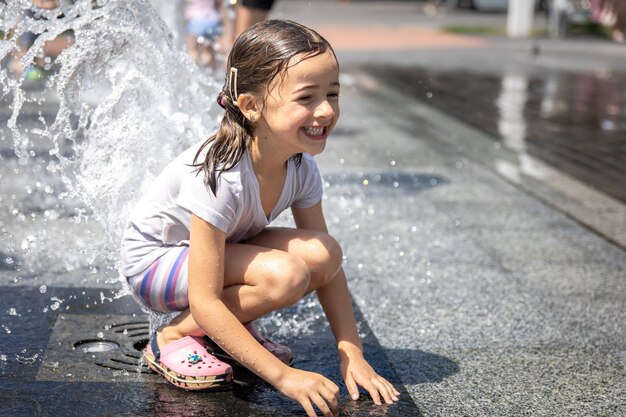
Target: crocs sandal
282, 352
187, 364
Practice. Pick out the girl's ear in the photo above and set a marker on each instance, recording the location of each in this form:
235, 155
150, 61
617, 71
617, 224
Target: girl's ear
249, 106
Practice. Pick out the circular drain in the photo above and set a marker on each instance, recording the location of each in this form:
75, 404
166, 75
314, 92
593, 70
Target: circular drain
118, 347
92, 346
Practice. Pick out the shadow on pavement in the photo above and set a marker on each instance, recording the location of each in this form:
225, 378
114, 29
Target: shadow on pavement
44, 370
422, 367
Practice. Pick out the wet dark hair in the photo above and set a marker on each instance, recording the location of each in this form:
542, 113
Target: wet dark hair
259, 55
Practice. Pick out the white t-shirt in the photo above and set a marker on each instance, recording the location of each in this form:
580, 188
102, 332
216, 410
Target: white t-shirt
162, 217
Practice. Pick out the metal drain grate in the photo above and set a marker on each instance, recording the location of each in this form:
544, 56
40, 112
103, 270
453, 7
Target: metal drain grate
90, 347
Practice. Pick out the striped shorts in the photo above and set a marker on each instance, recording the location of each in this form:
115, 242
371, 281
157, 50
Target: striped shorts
163, 286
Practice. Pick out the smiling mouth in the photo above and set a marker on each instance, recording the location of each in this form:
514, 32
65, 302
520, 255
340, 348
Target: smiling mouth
315, 132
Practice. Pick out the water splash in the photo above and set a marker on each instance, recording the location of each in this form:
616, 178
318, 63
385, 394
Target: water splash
112, 109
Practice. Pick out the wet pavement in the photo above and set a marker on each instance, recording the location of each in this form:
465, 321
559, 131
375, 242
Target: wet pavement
59, 363
476, 191
574, 122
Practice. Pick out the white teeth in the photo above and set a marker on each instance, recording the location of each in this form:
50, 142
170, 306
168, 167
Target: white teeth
314, 131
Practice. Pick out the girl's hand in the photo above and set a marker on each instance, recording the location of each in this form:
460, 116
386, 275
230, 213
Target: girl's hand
309, 388
357, 372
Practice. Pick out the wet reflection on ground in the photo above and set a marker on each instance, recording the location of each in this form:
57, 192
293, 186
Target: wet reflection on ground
44, 367
575, 122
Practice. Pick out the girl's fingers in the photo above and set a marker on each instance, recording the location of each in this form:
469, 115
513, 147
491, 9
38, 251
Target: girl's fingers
373, 390
334, 389
308, 407
379, 387
392, 390
353, 389
383, 389
331, 399
321, 404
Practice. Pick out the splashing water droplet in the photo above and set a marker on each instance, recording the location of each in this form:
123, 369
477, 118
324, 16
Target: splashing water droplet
122, 81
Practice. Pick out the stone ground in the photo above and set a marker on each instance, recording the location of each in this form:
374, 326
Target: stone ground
481, 290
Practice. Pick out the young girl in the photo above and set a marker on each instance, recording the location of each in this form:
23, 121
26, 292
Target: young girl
199, 241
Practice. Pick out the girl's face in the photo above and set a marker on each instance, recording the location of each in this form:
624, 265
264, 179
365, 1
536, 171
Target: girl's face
302, 106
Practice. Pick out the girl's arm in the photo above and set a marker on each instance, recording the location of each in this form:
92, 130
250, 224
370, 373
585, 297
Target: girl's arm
337, 304
206, 281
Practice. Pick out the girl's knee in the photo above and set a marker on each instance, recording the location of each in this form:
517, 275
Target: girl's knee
324, 256
290, 280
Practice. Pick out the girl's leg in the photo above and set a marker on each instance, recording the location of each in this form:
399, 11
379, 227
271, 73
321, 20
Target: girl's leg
277, 268
268, 272
257, 280
317, 251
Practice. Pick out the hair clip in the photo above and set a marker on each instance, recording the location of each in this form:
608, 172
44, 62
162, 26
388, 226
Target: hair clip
232, 85
220, 101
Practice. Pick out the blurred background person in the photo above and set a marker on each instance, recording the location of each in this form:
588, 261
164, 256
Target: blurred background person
50, 49
612, 15
203, 24
250, 12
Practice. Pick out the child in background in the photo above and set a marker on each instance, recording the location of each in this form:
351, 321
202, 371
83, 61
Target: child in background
50, 49
199, 241
250, 12
203, 26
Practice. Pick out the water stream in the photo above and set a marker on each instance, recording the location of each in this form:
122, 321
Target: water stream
85, 132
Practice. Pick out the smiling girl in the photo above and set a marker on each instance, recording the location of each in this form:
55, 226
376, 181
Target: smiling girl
199, 241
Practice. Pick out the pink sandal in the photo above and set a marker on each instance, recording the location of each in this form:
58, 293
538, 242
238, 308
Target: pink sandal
186, 364
282, 352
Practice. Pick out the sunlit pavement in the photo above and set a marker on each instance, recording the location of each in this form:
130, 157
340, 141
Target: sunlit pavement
512, 265
488, 270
